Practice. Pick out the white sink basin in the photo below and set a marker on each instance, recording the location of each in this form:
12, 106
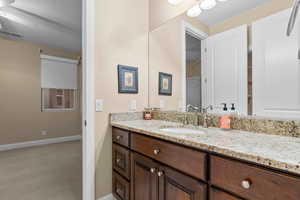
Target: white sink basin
185, 131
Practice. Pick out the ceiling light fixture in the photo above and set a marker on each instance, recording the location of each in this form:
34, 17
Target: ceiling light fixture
174, 2
208, 4
194, 11
5, 3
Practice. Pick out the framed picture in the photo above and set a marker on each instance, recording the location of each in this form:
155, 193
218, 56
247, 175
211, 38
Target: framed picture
128, 79
165, 84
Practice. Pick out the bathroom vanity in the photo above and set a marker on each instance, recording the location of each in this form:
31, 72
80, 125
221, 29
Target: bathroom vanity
150, 164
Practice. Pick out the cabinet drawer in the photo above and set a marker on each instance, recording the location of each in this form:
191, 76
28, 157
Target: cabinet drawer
120, 188
219, 195
252, 182
120, 136
184, 159
121, 160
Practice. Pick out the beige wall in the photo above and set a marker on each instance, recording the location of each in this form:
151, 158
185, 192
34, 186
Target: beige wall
250, 16
122, 29
20, 88
165, 55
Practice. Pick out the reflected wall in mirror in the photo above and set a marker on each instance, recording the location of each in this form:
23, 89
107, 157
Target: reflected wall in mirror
162, 11
237, 53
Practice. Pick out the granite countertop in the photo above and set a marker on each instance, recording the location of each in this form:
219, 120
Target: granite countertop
278, 152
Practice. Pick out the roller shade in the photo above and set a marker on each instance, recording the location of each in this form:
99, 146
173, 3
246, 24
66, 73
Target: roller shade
59, 73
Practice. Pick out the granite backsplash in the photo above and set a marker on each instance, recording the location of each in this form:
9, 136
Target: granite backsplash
289, 128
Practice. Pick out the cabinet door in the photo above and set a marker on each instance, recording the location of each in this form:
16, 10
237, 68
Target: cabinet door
144, 179
276, 68
225, 74
121, 160
216, 194
120, 187
174, 185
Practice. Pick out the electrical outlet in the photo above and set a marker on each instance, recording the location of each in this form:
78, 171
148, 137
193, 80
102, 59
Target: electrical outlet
44, 132
133, 105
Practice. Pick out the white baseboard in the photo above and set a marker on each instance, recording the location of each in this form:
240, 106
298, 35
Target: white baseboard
20, 145
107, 197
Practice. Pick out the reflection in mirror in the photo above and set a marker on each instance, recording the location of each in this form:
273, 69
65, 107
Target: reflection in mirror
236, 53
167, 55
193, 71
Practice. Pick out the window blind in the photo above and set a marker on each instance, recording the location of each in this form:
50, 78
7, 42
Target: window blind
59, 73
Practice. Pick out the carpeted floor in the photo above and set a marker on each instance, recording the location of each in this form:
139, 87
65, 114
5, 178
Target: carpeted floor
50, 172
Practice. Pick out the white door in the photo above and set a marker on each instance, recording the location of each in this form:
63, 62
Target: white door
276, 69
226, 70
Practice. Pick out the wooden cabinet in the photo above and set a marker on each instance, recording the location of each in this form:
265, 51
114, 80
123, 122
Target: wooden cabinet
121, 187
174, 185
144, 184
216, 194
121, 160
120, 137
147, 168
184, 159
153, 181
121, 164
252, 182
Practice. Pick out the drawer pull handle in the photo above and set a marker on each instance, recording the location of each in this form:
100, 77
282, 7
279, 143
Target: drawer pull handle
156, 151
246, 184
160, 174
152, 170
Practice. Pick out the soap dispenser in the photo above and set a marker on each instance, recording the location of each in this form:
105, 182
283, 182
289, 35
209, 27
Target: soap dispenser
232, 109
225, 119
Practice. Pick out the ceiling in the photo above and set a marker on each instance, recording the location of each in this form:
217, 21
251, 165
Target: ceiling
55, 23
230, 8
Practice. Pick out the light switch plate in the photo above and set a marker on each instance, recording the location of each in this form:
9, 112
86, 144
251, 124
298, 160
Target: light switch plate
44, 132
99, 105
132, 105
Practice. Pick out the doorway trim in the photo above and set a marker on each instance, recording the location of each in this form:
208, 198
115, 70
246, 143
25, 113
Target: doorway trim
88, 97
192, 30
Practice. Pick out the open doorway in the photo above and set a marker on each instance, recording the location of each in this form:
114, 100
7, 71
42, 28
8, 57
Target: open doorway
41, 106
193, 71
194, 60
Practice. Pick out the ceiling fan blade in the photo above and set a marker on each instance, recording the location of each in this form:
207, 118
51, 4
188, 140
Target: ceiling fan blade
11, 34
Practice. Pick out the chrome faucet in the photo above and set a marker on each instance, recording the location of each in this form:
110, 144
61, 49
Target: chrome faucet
293, 17
192, 108
205, 114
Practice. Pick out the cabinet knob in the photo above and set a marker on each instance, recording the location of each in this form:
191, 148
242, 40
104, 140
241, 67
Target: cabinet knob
160, 173
152, 170
246, 184
156, 151
118, 160
119, 191
118, 137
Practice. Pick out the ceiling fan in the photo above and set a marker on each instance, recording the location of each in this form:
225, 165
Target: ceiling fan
3, 32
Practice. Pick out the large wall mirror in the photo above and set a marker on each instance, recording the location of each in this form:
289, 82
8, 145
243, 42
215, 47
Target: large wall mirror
235, 53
